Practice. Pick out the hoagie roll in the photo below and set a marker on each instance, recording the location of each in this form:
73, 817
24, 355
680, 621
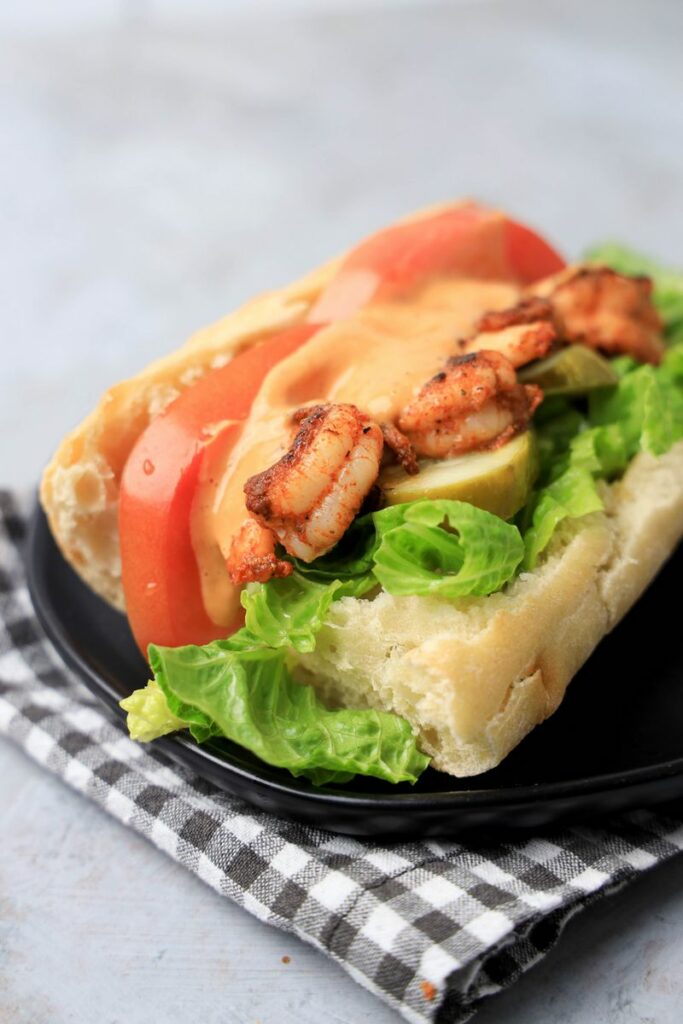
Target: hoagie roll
401, 500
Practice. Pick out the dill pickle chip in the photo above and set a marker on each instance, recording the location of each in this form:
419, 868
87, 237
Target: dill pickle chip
571, 371
499, 480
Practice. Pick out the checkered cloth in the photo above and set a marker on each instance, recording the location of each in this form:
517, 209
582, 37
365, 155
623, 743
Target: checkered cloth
432, 928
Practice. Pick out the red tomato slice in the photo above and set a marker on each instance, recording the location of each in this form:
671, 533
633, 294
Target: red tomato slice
528, 255
159, 569
468, 240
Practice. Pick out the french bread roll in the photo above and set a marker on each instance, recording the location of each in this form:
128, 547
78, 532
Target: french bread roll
472, 676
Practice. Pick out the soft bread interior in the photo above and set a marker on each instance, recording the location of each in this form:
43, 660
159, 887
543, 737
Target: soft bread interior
473, 677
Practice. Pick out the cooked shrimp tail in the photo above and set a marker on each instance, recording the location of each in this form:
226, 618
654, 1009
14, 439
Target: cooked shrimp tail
401, 448
252, 557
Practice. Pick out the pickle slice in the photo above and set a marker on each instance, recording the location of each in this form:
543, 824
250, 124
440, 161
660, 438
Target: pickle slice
498, 481
571, 371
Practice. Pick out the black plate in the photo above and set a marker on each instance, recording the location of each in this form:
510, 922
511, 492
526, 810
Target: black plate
615, 743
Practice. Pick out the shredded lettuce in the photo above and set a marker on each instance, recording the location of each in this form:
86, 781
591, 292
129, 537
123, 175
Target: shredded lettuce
249, 697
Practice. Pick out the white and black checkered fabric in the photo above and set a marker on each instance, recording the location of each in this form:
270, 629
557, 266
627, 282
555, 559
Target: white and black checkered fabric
467, 919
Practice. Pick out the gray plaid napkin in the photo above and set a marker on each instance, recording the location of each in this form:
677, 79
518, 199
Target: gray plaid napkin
432, 928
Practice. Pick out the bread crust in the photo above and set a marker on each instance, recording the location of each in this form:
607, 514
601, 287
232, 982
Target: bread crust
473, 676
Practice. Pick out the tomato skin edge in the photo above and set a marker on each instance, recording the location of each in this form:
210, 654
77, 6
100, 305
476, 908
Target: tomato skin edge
532, 257
472, 240
153, 539
159, 570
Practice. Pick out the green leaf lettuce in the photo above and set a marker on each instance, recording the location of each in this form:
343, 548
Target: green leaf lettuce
149, 715
445, 548
290, 612
249, 697
643, 413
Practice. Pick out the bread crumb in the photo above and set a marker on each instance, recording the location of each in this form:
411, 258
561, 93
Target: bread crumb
286, 959
428, 991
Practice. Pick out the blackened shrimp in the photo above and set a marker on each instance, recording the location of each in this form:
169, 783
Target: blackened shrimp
521, 334
611, 312
476, 402
400, 447
310, 497
252, 557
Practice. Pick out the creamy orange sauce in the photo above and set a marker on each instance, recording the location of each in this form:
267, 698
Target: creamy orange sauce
376, 360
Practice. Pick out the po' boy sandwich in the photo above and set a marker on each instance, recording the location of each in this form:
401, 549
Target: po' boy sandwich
380, 518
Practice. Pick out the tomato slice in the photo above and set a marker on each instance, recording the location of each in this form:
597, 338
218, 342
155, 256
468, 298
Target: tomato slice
469, 240
159, 569
528, 255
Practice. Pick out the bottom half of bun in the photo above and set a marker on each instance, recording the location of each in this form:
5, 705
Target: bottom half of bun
473, 677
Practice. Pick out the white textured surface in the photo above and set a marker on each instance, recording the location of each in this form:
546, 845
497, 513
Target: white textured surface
159, 166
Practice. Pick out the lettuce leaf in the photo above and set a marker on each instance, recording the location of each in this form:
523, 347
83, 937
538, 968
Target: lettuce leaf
644, 412
556, 424
646, 406
603, 451
250, 697
290, 612
445, 548
149, 715
351, 559
671, 368
572, 495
